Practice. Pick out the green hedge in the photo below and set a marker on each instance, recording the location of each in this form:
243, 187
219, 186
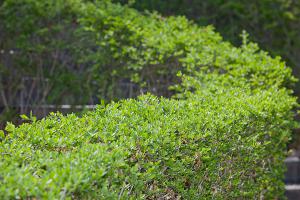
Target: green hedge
275, 25
153, 49
223, 138
224, 144
87, 49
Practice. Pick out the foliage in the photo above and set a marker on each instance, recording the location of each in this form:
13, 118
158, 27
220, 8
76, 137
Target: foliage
272, 24
88, 50
153, 49
224, 137
223, 144
40, 41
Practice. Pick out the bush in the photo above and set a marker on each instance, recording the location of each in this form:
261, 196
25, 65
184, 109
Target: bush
88, 50
272, 24
225, 144
224, 138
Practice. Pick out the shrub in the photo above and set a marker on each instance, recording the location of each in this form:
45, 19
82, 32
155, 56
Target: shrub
88, 50
153, 49
224, 138
224, 144
272, 24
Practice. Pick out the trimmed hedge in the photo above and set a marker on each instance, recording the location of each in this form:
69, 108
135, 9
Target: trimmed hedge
223, 138
87, 49
274, 25
152, 49
223, 144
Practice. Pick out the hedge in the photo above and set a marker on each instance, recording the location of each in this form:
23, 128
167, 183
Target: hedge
274, 25
88, 50
223, 136
153, 49
222, 145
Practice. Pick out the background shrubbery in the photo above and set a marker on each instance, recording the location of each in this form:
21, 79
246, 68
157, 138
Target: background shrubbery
79, 52
222, 136
274, 25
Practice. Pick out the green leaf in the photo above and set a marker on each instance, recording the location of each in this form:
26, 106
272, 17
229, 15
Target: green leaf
24, 117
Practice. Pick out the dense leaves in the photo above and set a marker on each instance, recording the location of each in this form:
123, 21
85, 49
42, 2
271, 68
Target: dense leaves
222, 136
222, 144
78, 52
275, 24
